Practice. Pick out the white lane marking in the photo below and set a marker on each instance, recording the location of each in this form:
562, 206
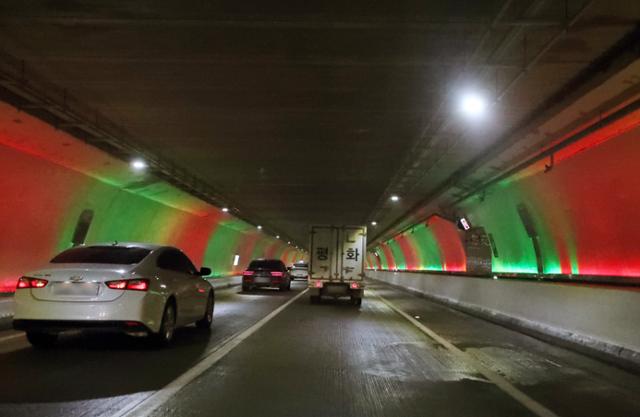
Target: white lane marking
501, 382
151, 403
13, 336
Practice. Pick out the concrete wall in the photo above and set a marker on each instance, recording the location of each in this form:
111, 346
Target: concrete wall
602, 321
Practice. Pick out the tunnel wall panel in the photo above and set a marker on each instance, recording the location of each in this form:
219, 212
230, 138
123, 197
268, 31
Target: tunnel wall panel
45, 189
434, 245
582, 208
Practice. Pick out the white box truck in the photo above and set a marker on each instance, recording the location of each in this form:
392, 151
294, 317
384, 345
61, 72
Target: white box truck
336, 265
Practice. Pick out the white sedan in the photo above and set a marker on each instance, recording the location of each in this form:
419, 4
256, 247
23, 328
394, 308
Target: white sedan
137, 288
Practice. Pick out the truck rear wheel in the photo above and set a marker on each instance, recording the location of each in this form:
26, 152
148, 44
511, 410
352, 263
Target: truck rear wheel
314, 299
356, 301
41, 339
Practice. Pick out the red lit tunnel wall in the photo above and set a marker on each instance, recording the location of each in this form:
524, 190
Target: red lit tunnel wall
44, 193
584, 211
434, 245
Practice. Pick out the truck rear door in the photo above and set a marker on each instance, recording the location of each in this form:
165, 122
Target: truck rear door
324, 253
353, 242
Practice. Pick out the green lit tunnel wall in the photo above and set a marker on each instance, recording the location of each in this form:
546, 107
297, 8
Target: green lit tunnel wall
434, 245
583, 209
48, 178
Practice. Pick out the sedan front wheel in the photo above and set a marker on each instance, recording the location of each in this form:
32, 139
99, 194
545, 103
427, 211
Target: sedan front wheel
205, 322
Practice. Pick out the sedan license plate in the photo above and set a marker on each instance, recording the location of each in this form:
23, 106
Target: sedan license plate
263, 280
86, 289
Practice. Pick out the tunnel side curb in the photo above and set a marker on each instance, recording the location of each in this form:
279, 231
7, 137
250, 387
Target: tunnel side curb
619, 356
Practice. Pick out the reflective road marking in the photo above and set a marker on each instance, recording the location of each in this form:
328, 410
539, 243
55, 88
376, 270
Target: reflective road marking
501, 382
149, 404
13, 336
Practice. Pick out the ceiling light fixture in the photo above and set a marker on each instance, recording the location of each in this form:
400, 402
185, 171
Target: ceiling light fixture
394, 198
473, 105
139, 164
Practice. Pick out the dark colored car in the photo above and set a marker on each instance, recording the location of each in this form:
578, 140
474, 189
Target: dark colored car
266, 273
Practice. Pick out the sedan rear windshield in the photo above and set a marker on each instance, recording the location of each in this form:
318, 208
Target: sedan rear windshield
301, 266
102, 255
265, 265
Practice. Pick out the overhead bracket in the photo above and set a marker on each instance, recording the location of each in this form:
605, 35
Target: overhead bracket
548, 167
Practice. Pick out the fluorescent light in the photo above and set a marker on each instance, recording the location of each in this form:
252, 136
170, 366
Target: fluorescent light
236, 260
259, 227
277, 236
394, 198
225, 209
374, 223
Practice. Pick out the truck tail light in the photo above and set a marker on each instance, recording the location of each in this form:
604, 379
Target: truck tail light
276, 274
247, 273
317, 284
129, 284
354, 285
27, 282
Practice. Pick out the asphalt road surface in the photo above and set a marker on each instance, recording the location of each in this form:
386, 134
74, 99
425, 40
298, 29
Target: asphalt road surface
274, 354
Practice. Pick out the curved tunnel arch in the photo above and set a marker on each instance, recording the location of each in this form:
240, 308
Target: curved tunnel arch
582, 211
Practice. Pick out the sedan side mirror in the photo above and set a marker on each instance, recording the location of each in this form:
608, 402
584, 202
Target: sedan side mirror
204, 271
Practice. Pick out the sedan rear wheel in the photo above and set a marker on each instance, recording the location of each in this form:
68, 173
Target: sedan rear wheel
205, 322
42, 340
167, 328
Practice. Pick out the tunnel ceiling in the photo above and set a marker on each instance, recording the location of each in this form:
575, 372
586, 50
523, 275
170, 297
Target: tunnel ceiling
312, 112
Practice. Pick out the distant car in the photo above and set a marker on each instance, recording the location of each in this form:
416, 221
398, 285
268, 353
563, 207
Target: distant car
266, 273
299, 270
137, 288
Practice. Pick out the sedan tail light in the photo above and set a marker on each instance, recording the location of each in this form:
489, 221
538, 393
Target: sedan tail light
276, 274
129, 284
28, 282
247, 273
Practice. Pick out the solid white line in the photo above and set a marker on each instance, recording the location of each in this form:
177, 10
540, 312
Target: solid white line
501, 382
13, 336
145, 407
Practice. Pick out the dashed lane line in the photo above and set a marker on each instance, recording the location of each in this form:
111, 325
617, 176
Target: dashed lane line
501, 382
149, 404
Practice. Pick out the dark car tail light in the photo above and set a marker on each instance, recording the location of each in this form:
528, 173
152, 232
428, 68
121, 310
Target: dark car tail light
247, 273
129, 284
276, 274
28, 282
